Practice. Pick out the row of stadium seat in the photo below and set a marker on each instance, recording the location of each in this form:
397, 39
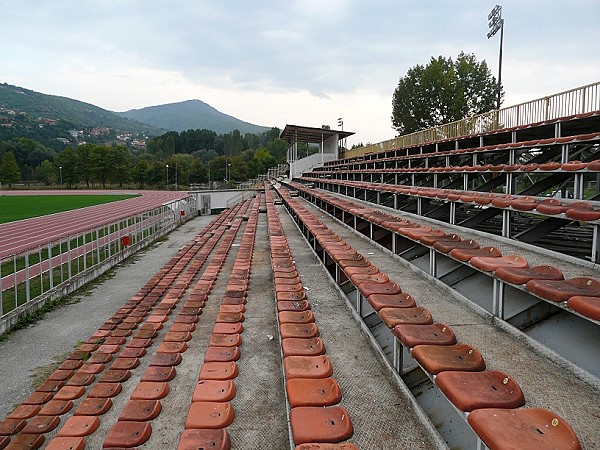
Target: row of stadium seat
66, 388
581, 294
488, 399
316, 420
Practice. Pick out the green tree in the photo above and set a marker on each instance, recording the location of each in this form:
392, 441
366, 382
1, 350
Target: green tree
66, 162
442, 91
9, 169
46, 173
119, 164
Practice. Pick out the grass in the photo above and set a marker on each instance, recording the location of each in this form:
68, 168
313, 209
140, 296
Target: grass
19, 207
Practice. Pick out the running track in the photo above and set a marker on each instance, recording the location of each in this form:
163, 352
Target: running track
29, 234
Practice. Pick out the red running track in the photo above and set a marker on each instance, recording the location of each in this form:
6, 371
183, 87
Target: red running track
17, 237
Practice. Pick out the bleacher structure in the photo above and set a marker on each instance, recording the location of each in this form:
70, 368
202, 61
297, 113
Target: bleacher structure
440, 295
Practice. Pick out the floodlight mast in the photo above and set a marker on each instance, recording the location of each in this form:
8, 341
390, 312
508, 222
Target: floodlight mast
495, 23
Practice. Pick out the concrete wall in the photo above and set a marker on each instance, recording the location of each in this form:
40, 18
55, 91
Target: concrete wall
221, 199
306, 164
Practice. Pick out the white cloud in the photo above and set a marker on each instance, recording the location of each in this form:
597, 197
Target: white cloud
305, 60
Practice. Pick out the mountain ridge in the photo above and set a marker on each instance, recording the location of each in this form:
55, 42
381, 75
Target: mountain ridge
191, 114
179, 116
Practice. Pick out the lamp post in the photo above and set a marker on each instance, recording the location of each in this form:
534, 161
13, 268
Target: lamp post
341, 124
175, 174
228, 173
60, 170
495, 23
167, 166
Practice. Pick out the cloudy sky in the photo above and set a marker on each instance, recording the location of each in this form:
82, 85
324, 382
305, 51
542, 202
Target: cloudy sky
305, 62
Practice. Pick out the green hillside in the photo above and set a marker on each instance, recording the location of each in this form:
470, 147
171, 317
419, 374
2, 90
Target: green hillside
37, 105
191, 115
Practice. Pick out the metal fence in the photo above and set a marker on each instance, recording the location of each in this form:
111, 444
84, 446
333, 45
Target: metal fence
575, 101
29, 278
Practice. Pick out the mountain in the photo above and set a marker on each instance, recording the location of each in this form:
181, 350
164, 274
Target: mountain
35, 105
190, 115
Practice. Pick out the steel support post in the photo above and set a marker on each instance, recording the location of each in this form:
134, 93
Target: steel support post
595, 243
452, 213
506, 217
419, 205
498, 299
398, 356
432, 262
578, 186
69, 264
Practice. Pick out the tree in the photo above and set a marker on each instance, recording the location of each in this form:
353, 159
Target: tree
46, 173
441, 92
9, 169
67, 159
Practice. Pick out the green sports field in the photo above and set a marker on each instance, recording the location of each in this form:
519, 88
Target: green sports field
20, 207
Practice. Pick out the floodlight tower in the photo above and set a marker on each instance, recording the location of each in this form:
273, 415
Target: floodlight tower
495, 23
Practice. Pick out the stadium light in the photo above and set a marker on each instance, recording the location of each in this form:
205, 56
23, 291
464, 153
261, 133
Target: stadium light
495, 24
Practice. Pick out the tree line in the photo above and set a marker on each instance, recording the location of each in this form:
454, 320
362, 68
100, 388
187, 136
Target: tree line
170, 160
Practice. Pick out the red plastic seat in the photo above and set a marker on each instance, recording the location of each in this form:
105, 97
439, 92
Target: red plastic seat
416, 315
218, 371
489, 264
41, 424
141, 410
562, 290
521, 275
296, 317
312, 392
214, 391
434, 334
367, 289
465, 254
587, 306
307, 366
217, 439
379, 301
302, 346
66, 443
79, 426
317, 424
447, 246
128, 434
440, 358
209, 415
582, 213
528, 428
430, 240
298, 330
475, 390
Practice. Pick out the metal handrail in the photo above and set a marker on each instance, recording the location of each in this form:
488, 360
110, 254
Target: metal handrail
579, 100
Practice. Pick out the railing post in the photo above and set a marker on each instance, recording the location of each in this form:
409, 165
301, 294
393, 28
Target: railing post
50, 268
1, 304
69, 263
41, 270
27, 281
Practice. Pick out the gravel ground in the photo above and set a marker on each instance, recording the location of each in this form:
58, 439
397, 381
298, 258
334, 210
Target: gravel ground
30, 350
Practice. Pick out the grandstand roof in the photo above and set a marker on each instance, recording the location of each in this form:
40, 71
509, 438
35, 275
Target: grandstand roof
310, 134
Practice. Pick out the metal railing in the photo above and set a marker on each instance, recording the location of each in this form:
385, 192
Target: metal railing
580, 100
30, 278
